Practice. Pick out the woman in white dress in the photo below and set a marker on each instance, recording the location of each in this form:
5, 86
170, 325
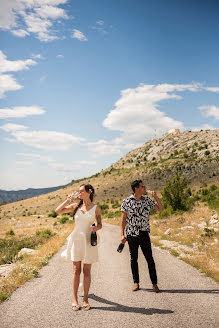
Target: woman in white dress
79, 248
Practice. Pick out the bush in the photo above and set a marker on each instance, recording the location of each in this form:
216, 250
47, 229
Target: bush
63, 220
210, 196
53, 214
10, 233
175, 196
9, 248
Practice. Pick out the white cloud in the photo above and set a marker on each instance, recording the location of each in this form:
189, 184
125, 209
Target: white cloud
38, 56
23, 17
79, 35
60, 56
103, 148
136, 114
10, 127
210, 111
20, 33
21, 111
212, 89
47, 140
14, 65
203, 127
8, 83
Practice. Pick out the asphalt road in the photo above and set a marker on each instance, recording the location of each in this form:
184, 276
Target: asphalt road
188, 299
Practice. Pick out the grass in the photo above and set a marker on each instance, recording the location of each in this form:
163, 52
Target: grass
30, 265
203, 243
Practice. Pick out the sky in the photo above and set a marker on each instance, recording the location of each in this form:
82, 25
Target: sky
83, 82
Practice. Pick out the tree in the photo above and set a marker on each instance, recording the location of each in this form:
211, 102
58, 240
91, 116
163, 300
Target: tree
175, 195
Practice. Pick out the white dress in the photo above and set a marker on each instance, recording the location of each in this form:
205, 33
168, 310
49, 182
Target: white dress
79, 247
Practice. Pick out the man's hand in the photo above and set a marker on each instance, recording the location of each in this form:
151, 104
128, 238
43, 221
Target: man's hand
123, 239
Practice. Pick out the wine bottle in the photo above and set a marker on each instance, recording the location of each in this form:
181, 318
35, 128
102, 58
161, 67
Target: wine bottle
120, 247
93, 237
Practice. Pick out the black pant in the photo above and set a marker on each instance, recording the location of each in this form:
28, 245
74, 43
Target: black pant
143, 240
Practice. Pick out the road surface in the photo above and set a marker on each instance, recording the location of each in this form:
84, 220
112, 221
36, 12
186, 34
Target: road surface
188, 298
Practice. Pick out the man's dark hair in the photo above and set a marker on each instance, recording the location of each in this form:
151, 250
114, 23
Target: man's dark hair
135, 184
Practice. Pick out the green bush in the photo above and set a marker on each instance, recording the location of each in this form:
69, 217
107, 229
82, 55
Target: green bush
63, 220
210, 196
175, 196
53, 214
9, 248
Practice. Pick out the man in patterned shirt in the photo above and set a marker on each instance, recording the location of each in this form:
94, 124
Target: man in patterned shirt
135, 216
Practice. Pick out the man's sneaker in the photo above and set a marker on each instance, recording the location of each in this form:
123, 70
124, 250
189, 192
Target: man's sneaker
135, 287
155, 288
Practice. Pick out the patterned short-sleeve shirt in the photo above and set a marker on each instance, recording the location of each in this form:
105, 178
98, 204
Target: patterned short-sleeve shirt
137, 214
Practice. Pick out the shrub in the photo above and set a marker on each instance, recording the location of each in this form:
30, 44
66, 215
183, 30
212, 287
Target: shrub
44, 233
63, 220
207, 152
9, 248
53, 214
174, 194
10, 233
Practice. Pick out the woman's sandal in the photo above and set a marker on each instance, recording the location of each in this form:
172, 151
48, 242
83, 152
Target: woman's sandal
86, 307
75, 307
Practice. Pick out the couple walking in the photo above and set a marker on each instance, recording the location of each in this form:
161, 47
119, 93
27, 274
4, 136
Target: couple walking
135, 211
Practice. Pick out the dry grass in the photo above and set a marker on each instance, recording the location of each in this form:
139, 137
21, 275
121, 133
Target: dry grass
30, 265
190, 245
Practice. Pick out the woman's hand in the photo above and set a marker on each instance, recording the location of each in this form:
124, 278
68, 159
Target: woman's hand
123, 239
94, 228
72, 197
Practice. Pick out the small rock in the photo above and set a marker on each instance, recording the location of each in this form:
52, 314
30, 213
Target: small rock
213, 221
214, 216
6, 269
187, 228
27, 251
202, 225
168, 231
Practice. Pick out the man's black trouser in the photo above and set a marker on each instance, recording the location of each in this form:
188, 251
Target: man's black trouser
143, 240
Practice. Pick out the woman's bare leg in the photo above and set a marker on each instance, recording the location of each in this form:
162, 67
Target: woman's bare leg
76, 280
87, 281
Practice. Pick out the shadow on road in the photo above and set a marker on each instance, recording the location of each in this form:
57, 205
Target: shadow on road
185, 291
123, 308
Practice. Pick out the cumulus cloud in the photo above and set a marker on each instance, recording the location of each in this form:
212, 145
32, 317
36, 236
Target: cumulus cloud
79, 35
103, 148
21, 111
14, 65
136, 114
10, 127
210, 111
23, 17
46, 140
8, 83
20, 33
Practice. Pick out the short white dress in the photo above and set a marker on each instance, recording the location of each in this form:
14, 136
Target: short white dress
79, 247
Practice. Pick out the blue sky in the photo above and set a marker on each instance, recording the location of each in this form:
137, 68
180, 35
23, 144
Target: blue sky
83, 82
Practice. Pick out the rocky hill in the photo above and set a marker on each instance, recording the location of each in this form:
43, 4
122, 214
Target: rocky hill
194, 154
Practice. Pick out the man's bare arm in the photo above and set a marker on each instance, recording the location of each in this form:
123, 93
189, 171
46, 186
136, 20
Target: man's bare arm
123, 224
